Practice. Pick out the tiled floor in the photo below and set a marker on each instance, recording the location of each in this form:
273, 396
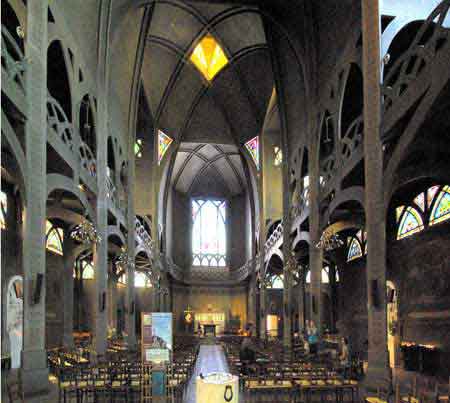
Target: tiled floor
210, 359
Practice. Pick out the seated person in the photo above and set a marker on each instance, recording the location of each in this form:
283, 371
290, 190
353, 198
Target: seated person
247, 354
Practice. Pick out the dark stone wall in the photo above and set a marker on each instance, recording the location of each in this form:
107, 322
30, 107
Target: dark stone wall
182, 217
237, 230
420, 270
54, 309
419, 267
353, 305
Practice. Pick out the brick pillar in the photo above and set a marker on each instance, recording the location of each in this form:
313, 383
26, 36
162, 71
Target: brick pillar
378, 372
34, 356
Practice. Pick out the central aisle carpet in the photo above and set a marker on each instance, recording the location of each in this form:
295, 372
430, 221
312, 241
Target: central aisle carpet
210, 359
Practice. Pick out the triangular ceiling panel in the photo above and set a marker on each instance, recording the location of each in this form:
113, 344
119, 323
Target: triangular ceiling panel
175, 24
177, 106
241, 31
159, 63
208, 124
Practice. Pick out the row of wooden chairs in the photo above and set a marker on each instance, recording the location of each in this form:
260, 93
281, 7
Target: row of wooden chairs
415, 392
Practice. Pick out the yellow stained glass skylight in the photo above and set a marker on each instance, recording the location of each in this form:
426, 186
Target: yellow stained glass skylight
209, 57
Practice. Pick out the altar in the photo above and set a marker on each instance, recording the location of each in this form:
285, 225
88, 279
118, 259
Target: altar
209, 329
210, 322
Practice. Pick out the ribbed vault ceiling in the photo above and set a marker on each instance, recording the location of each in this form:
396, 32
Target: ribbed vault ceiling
231, 108
215, 167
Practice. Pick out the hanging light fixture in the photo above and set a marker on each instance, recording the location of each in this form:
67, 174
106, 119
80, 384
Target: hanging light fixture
291, 264
85, 233
124, 261
329, 240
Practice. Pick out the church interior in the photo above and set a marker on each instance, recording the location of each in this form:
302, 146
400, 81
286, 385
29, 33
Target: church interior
225, 201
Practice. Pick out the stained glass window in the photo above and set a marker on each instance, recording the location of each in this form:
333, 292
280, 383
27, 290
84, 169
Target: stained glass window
441, 206
123, 279
54, 238
410, 222
252, 147
138, 148
87, 269
430, 194
398, 212
3, 209
278, 159
276, 282
420, 201
209, 57
141, 280
208, 233
325, 276
354, 249
164, 142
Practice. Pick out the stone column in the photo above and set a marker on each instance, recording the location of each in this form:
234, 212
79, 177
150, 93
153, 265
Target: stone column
289, 265
101, 248
301, 301
315, 254
316, 257
333, 297
130, 302
378, 371
251, 303
70, 254
262, 300
112, 299
34, 355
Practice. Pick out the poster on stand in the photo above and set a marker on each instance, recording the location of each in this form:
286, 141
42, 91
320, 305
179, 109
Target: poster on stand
157, 337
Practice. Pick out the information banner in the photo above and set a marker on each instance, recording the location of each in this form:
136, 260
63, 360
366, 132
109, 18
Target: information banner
157, 337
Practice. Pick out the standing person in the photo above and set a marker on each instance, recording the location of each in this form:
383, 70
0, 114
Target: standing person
344, 357
313, 338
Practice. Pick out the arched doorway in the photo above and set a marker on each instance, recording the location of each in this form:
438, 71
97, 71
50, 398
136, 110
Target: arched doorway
14, 319
392, 323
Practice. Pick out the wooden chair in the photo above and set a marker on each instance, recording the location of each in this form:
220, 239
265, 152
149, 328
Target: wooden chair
67, 384
412, 395
442, 392
381, 397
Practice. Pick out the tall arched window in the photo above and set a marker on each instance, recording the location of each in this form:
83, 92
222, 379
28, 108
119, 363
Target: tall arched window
356, 244
354, 249
3, 209
54, 238
208, 232
87, 270
275, 282
325, 276
122, 279
142, 280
